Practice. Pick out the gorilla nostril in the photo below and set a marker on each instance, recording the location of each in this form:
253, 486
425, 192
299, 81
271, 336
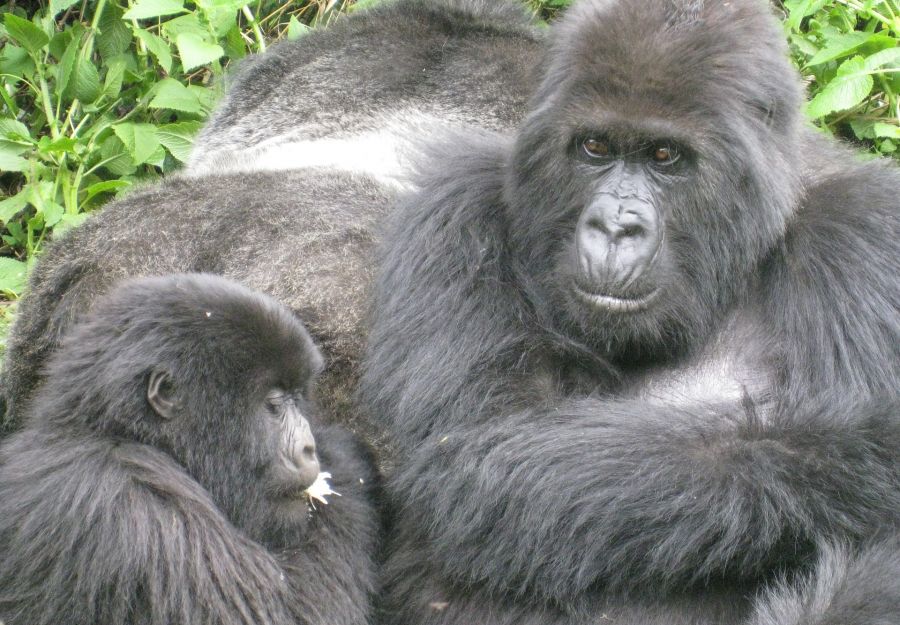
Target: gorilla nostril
595, 223
309, 452
633, 230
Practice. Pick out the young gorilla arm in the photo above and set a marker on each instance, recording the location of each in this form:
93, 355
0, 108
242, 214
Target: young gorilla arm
516, 481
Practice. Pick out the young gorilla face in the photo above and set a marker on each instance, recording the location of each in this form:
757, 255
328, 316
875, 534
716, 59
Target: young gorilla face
661, 194
229, 367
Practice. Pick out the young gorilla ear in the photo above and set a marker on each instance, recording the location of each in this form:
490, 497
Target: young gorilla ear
160, 394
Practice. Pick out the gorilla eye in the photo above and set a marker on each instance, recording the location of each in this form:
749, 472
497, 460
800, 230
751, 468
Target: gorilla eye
274, 402
595, 148
665, 154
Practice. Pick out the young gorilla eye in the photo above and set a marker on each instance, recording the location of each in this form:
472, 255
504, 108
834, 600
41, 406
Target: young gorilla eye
274, 402
595, 148
665, 154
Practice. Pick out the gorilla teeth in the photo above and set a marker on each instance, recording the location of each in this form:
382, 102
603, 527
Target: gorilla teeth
616, 304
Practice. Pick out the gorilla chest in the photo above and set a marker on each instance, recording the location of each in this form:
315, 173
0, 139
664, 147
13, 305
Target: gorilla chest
729, 368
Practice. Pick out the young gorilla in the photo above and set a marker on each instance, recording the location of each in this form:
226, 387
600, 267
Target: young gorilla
161, 474
643, 364
304, 236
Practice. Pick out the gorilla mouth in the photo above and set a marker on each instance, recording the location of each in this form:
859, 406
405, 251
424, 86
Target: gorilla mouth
616, 304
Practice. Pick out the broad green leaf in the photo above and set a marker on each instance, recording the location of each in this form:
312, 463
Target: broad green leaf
114, 37
65, 69
296, 29
11, 206
171, 94
14, 130
182, 25
887, 147
107, 186
888, 131
85, 83
849, 87
117, 159
15, 61
143, 9
157, 47
207, 96
68, 222
11, 161
13, 275
61, 145
839, 46
234, 44
194, 51
60, 42
178, 138
25, 33
115, 73
58, 6
139, 139
225, 5
52, 213
798, 9
882, 58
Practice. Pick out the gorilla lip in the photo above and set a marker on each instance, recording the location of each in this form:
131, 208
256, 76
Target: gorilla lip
616, 304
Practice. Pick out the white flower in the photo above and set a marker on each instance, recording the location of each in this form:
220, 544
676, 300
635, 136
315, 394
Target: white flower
320, 489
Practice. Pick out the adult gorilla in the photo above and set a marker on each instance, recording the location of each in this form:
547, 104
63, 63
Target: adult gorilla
292, 176
643, 364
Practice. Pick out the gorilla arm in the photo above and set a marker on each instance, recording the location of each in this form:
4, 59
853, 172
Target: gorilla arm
145, 543
580, 492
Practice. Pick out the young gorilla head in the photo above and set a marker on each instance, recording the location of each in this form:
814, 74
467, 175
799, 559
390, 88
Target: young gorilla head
660, 153
216, 375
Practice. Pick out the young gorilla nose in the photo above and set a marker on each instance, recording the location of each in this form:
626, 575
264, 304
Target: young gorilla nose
299, 452
617, 238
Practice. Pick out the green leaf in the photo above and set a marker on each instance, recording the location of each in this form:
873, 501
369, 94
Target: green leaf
52, 213
14, 130
234, 44
157, 47
139, 139
12, 206
178, 138
15, 61
171, 94
24, 32
882, 58
848, 88
207, 96
798, 9
10, 161
143, 9
58, 6
115, 74
185, 24
69, 222
59, 146
839, 46
194, 51
66, 68
85, 84
13, 275
107, 186
114, 37
297, 30
118, 160
888, 131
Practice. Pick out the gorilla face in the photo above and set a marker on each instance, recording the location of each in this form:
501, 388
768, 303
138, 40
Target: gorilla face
652, 177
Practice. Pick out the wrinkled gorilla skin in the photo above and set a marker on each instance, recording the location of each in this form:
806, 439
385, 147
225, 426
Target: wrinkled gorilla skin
124, 501
304, 236
642, 362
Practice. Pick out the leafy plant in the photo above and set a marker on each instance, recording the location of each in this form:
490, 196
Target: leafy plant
850, 52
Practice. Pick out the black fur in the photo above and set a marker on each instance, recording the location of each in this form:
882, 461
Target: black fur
110, 514
730, 453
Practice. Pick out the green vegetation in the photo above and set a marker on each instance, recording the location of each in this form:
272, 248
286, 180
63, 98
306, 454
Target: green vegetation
97, 95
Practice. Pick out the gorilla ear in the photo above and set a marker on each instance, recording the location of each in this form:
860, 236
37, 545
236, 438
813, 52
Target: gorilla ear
160, 394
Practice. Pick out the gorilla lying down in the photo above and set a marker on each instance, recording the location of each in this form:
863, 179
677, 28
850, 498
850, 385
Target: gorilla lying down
167, 472
643, 362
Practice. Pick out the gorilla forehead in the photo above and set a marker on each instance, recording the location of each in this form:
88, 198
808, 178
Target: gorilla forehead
674, 59
209, 315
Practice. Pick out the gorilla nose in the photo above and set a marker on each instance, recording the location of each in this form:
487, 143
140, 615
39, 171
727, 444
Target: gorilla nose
303, 455
616, 240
